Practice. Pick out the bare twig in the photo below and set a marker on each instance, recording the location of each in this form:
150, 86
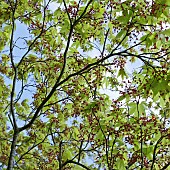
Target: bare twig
36, 38
104, 45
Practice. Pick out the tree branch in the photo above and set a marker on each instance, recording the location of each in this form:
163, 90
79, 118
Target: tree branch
12, 151
21, 157
36, 38
154, 151
58, 83
77, 163
166, 166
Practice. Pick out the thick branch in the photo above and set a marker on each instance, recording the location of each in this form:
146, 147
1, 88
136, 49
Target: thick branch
166, 166
77, 163
12, 152
13, 65
154, 151
14, 124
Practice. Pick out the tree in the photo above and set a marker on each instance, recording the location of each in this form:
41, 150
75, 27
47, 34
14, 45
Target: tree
54, 114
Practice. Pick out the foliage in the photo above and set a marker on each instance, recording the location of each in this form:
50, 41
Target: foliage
54, 113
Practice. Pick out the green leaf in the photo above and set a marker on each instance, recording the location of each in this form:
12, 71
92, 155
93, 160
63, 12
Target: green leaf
123, 19
148, 151
166, 32
75, 133
158, 44
67, 155
122, 73
157, 86
121, 34
120, 164
99, 135
148, 42
141, 108
25, 104
133, 108
162, 102
120, 142
95, 4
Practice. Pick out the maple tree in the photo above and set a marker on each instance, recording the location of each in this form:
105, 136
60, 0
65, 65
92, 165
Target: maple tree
54, 114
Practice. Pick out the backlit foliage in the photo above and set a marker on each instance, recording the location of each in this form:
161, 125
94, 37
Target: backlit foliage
67, 99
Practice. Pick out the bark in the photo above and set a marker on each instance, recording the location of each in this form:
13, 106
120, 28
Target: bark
12, 152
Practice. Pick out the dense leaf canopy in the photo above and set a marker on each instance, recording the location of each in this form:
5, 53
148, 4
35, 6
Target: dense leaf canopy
84, 84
